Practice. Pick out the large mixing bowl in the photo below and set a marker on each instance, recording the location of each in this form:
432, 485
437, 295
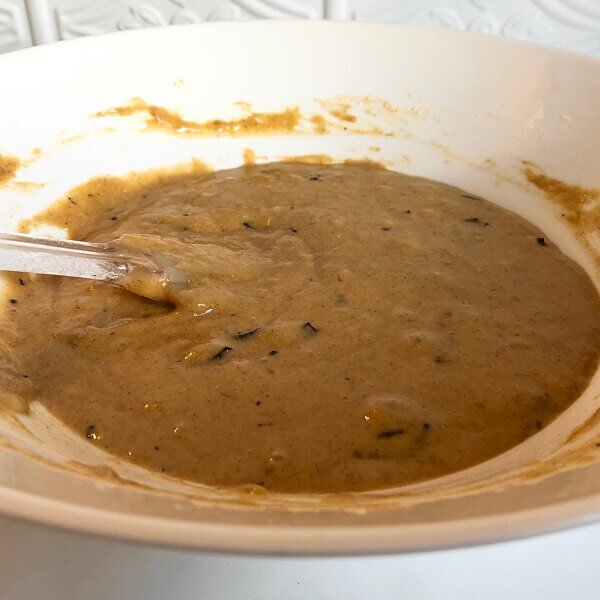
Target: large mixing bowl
460, 108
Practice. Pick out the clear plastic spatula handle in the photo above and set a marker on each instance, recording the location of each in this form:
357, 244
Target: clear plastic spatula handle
68, 258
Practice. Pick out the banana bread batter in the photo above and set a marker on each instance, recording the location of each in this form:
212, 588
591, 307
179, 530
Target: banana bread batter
345, 328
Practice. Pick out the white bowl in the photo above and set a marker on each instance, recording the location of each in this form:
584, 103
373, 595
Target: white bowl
464, 109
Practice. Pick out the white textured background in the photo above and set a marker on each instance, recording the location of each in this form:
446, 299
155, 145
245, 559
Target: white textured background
572, 24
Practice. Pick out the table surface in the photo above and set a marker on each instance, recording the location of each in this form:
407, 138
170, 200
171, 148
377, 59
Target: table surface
38, 562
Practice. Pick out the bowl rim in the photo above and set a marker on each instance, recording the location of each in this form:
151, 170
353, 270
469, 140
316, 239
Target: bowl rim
277, 540
450, 34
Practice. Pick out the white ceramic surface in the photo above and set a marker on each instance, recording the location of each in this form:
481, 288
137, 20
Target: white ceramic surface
469, 108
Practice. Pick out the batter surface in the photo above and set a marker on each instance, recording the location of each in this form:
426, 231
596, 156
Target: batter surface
345, 328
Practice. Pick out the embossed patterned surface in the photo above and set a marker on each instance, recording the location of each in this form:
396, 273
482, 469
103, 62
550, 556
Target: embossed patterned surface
14, 28
77, 17
571, 24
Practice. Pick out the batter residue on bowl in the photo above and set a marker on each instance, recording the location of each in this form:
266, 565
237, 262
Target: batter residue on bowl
345, 328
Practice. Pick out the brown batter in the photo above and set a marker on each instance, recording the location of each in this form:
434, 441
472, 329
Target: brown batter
8, 167
346, 328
